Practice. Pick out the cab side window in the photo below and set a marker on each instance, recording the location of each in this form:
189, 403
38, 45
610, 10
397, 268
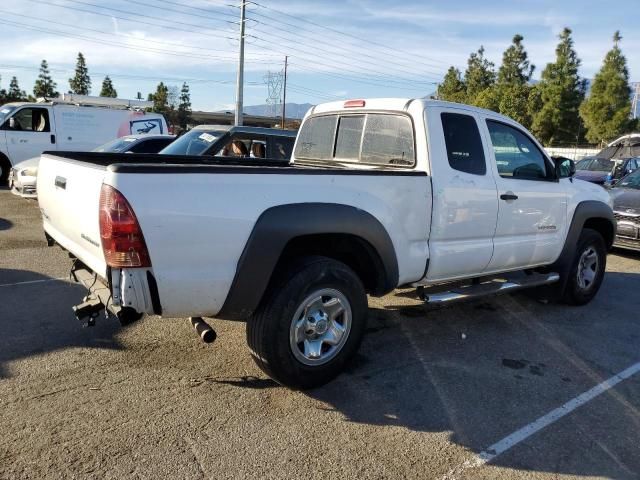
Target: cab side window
516, 155
31, 120
464, 145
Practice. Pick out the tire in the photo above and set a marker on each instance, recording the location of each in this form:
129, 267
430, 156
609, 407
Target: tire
587, 268
5, 167
310, 323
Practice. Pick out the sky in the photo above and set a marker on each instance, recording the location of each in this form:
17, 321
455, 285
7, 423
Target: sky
346, 49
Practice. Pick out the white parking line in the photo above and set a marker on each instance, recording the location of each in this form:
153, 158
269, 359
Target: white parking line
525, 432
34, 281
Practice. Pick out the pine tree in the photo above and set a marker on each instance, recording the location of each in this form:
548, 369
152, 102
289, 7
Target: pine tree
184, 107
107, 88
511, 93
15, 94
45, 86
555, 102
479, 76
81, 82
160, 98
515, 68
606, 111
452, 87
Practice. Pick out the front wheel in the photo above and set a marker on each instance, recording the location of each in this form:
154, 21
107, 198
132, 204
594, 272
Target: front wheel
310, 324
587, 269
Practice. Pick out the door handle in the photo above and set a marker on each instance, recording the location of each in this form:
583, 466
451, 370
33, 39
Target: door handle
508, 196
53, 139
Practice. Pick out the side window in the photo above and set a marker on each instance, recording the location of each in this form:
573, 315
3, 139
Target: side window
150, 146
32, 120
388, 140
516, 155
281, 147
464, 145
316, 138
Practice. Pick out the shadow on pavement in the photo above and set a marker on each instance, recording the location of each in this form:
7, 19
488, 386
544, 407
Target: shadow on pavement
482, 371
5, 224
36, 317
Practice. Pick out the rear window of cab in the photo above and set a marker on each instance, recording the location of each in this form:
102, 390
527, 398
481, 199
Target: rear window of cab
381, 139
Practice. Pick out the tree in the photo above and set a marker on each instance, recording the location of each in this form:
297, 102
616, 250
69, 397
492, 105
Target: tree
15, 94
81, 82
452, 87
515, 68
3, 95
160, 98
555, 101
107, 88
606, 111
479, 75
184, 107
45, 86
512, 87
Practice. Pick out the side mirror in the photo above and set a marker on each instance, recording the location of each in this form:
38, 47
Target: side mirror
565, 167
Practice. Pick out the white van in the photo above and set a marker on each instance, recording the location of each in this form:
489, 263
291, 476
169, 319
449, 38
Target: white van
69, 123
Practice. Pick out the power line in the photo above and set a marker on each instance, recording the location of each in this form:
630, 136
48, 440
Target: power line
341, 47
110, 43
335, 64
102, 32
371, 42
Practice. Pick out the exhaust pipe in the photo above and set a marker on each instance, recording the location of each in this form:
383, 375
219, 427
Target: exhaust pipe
207, 334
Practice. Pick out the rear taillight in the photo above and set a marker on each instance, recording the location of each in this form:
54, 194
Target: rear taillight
122, 240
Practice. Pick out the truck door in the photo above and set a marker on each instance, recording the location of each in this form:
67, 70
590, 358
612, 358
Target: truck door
29, 133
532, 206
465, 204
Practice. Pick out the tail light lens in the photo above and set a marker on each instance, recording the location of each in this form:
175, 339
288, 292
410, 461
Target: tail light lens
122, 240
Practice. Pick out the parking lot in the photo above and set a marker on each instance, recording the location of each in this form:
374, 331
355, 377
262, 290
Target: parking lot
429, 395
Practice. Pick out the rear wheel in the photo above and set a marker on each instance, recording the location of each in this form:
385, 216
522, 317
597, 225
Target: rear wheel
310, 325
587, 269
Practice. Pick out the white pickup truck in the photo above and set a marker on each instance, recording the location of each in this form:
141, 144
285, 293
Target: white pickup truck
383, 193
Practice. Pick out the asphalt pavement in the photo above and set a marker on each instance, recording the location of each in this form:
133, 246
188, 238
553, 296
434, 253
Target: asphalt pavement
505, 388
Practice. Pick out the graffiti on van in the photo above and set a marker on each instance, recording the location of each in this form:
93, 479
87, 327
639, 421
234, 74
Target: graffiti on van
146, 126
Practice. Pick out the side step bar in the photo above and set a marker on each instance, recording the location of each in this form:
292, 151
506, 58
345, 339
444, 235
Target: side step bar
494, 286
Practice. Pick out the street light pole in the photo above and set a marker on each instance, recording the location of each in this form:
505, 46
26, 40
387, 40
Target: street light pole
240, 79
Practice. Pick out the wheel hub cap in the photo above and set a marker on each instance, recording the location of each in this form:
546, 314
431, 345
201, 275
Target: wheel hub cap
320, 327
587, 268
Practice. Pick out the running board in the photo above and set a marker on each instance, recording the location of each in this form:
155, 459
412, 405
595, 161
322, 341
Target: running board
494, 286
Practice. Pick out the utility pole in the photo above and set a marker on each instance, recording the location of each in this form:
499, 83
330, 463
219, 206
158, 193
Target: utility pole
240, 80
284, 94
636, 100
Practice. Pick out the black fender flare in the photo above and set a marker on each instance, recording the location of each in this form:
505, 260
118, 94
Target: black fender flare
586, 210
277, 226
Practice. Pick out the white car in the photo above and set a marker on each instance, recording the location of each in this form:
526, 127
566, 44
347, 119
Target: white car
380, 194
22, 177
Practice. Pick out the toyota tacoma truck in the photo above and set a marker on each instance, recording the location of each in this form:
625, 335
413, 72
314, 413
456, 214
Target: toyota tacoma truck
455, 201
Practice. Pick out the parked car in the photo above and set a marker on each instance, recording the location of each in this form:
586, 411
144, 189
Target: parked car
22, 178
69, 123
251, 142
626, 208
379, 194
602, 170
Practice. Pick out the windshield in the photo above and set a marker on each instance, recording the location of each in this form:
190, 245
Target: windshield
117, 145
195, 142
630, 181
5, 111
599, 165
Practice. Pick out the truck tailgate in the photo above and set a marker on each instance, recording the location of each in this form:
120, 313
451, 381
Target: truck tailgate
69, 197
